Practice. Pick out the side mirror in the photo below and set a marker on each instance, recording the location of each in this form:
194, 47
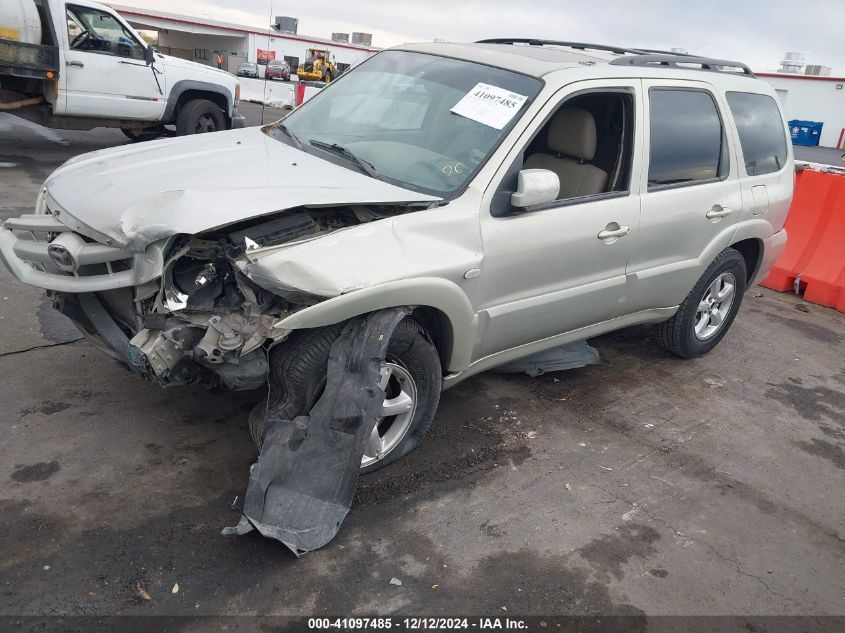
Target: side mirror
535, 186
149, 54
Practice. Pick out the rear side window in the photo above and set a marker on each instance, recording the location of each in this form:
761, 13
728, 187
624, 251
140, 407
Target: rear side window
687, 140
761, 133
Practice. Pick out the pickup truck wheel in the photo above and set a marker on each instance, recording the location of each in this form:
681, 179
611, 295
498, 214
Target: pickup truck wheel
411, 378
137, 136
198, 117
708, 310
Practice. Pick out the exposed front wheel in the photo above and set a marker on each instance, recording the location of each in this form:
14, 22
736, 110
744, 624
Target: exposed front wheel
198, 117
708, 310
410, 376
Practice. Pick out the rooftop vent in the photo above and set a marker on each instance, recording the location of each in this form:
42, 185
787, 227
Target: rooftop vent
792, 63
284, 24
364, 39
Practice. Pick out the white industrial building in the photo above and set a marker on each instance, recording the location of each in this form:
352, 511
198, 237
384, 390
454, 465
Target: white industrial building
809, 93
200, 39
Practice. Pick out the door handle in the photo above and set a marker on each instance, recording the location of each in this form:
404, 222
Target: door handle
610, 233
69, 62
718, 211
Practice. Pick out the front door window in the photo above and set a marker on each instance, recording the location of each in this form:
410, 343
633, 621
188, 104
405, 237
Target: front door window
97, 31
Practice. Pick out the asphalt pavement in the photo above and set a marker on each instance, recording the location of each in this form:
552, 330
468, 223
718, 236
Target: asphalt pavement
646, 485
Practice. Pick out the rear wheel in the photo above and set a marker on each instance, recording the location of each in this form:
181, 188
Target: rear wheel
410, 376
147, 134
198, 117
708, 310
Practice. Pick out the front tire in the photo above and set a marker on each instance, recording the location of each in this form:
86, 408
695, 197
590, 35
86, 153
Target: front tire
708, 311
198, 117
411, 377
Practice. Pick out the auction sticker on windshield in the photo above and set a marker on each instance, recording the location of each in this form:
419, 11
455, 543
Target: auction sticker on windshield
489, 105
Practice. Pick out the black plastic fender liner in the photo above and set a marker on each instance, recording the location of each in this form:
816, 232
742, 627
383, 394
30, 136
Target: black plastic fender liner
302, 486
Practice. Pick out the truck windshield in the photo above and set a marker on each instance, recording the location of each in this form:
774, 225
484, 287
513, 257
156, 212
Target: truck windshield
420, 121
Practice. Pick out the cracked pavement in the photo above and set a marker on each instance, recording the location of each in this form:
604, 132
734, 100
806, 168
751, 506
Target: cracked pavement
647, 485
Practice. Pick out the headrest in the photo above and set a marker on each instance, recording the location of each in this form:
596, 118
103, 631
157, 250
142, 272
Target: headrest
573, 132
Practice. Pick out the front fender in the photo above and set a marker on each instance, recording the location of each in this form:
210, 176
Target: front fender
433, 292
183, 85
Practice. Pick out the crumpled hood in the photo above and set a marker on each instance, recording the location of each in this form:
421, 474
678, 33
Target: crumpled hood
137, 194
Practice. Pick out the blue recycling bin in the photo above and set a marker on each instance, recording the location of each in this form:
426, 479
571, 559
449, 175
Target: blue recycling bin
805, 132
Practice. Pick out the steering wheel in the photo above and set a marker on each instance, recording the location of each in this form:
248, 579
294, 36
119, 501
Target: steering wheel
80, 39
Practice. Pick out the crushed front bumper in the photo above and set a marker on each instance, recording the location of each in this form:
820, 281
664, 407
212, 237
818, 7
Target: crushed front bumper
67, 261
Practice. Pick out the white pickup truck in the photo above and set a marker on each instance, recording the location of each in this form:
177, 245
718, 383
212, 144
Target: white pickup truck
79, 65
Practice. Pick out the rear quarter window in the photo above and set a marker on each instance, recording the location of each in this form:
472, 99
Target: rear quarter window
761, 133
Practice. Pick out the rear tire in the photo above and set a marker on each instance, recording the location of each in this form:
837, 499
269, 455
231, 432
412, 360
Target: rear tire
298, 374
198, 117
694, 330
147, 134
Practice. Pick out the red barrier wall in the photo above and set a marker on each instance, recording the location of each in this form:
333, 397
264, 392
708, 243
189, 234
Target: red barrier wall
815, 248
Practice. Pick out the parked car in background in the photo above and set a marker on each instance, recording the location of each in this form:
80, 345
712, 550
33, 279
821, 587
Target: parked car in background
513, 196
247, 69
278, 69
79, 65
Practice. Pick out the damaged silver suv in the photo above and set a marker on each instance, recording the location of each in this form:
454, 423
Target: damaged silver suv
511, 196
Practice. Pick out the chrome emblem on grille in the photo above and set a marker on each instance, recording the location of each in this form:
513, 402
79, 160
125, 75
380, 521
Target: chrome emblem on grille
61, 257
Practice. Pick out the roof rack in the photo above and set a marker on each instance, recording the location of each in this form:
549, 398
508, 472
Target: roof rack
680, 61
619, 50
634, 56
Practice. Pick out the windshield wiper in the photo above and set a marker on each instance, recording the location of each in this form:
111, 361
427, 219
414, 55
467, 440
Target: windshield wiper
290, 135
340, 150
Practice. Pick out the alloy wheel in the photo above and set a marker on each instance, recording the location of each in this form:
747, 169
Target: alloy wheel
714, 306
397, 413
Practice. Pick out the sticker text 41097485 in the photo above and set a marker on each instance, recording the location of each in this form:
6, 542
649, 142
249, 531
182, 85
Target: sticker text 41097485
489, 105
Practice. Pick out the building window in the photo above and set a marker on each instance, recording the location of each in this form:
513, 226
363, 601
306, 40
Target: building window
201, 53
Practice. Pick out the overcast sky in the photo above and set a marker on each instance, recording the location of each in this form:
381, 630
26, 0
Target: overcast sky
756, 32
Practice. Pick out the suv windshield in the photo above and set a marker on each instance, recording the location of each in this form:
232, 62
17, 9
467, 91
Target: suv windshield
423, 122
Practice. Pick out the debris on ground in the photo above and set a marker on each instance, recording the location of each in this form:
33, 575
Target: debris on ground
396, 581
175, 588
142, 592
570, 356
302, 486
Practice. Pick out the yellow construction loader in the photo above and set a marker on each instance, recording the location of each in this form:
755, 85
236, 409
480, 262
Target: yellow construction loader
318, 66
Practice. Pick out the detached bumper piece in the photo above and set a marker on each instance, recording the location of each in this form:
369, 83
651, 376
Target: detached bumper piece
301, 489
570, 356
